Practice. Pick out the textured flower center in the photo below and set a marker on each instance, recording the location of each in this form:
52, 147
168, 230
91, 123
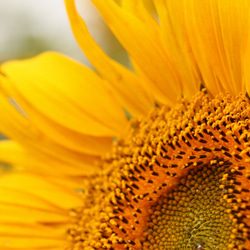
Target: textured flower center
197, 213
178, 180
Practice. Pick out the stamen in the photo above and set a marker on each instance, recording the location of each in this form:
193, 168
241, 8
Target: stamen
179, 179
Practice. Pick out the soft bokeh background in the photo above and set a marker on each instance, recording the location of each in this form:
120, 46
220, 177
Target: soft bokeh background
29, 27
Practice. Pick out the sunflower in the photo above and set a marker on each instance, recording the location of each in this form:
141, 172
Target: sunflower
151, 158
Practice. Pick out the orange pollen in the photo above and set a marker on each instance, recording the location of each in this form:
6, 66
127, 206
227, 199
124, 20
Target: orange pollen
178, 180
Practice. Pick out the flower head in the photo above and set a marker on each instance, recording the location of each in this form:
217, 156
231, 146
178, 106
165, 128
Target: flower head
154, 158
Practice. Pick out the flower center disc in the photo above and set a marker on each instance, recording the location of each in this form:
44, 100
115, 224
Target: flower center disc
195, 214
179, 179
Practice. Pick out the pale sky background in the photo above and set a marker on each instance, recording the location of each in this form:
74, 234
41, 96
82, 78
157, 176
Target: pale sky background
45, 24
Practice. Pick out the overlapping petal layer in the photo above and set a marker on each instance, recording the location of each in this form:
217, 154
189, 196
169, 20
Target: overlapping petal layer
34, 212
126, 86
208, 40
197, 43
42, 162
64, 112
66, 92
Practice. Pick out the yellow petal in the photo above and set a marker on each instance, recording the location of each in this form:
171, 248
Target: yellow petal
246, 59
57, 133
138, 9
217, 34
35, 161
31, 243
24, 199
31, 236
125, 85
33, 185
65, 92
16, 213
177, 46
146, 48
34, 212
15, 126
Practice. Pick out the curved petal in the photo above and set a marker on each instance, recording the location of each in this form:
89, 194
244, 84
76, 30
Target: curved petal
57, 133
217, 32
176, 43
140, 11
126, 86
56, 194
145, 49
34, 212
31, 237
15, 126
64, 91
36, 161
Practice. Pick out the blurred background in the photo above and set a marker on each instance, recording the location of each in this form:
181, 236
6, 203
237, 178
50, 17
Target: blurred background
29, 27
